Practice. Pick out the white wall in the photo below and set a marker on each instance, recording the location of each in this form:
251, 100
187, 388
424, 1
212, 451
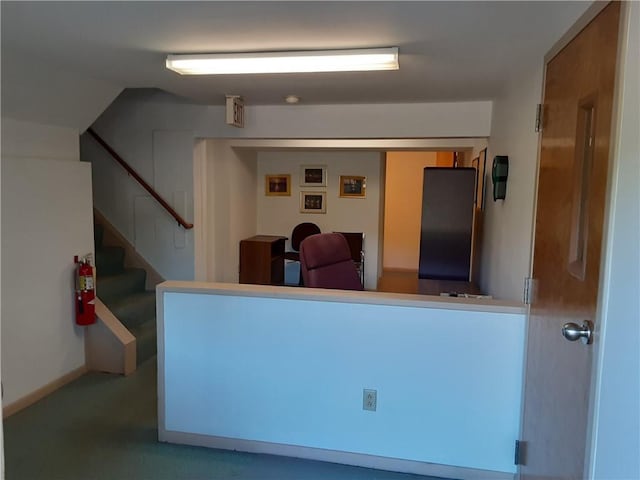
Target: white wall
218, 211
278, 215
616, 441
243, 203
225, 207
406, 120
46, 220
31, 140
507, 226
166, 245
230, 213
36, 91
443, 398
159, 145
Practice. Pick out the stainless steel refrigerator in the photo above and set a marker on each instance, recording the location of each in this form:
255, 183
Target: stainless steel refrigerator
447, 223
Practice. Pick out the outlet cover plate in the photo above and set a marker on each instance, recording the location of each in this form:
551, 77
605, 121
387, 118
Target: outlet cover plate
369, 399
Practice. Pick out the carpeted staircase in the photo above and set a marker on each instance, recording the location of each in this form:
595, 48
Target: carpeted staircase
122, 290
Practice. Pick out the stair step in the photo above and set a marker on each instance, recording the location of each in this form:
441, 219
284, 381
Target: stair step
123, 291
109, 260
146, 344
98, 235
135, 309
110, 288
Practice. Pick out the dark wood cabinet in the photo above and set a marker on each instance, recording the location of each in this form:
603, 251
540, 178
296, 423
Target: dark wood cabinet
262, 260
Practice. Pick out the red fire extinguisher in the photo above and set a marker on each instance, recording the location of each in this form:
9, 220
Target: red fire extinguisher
85, 297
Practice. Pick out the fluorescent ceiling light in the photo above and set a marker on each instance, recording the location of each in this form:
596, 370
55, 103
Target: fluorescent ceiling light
285, 62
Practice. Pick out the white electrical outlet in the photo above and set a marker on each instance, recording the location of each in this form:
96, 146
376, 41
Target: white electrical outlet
369, 399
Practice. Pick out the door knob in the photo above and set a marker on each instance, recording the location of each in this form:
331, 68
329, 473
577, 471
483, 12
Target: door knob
572, 332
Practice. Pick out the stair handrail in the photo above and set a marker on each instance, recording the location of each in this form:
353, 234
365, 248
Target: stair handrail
181, 221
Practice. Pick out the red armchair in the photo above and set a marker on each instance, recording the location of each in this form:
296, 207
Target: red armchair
325, 262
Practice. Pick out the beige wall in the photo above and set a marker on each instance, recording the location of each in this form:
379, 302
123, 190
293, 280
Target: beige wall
508, 224
278, 215
403, 207
443, 159
46, 220
225, 200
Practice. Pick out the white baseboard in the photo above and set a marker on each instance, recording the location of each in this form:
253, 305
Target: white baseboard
333, 456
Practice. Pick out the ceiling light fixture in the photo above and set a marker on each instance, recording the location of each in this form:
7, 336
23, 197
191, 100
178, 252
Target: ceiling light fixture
285, 62
292, 99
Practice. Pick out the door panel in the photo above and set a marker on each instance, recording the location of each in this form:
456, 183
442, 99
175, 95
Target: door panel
572, 181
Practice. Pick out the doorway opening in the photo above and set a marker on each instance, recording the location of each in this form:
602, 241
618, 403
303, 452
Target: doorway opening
403, 209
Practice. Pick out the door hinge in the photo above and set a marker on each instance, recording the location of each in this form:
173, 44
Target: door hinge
539, 113
520, 453
529, 290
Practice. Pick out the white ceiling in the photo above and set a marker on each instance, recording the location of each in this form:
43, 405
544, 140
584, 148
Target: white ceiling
448, 50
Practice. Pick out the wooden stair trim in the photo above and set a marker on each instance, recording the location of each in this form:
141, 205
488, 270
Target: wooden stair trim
109, 346
132, 259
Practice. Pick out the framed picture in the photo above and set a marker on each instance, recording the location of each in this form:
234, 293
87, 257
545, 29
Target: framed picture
277, 185
313, 176
352, 186
313, 202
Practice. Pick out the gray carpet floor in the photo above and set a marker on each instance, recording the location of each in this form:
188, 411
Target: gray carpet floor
104, 427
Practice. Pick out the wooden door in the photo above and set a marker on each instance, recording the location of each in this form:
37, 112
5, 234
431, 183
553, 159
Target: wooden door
572, 181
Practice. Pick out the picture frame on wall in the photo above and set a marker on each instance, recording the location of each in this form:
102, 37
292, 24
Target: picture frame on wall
313, 176
278, 185
313, 202
353, 186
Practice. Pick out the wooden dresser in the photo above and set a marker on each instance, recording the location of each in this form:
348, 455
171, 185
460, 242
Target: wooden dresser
262, 260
